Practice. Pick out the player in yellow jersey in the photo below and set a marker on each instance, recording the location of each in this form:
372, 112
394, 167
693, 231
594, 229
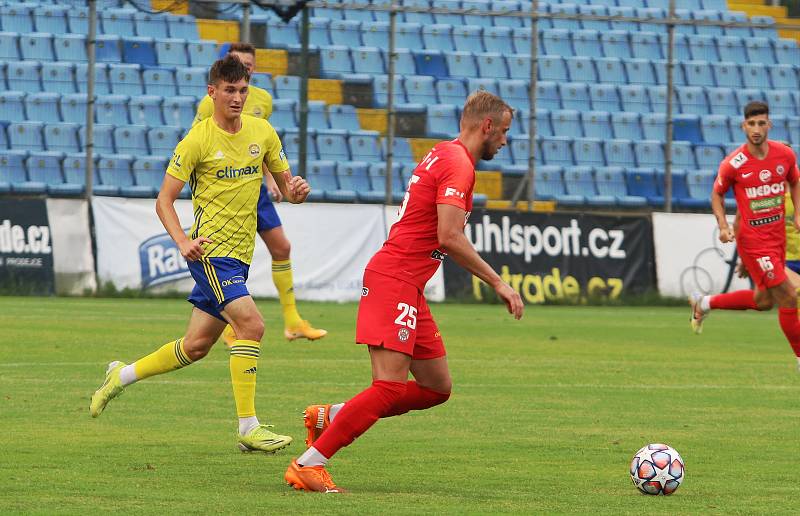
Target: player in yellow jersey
223, 158
259, 104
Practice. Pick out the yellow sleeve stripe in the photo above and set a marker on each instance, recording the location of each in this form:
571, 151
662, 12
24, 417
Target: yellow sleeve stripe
211, 274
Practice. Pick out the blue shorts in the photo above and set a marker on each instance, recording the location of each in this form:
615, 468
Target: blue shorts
793, 265
218, 281
267, 214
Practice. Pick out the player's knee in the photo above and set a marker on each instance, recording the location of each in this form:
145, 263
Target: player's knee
281, 250
763, 304
196, 347
251, 328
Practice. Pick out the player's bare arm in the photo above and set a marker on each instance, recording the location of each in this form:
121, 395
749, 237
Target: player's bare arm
294, 189
165, 208
272, 188
450, 231
794, 191
718, 208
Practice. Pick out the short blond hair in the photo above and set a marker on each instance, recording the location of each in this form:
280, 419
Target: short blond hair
481, 104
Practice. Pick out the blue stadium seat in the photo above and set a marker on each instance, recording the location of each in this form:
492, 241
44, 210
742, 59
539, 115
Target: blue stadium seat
557, 42
652, 13
9, 46
547, 95
146, 110
634, 98
654, 126
139, 50
699, 184
401, 150
566, 122
744, 96
159, 81
108, 48
343, 117
151, 25
131, 139
452, 91
202, 53
364, 15
441, 121
581, 69
552, 68
639, 71
476, 6
698, 73
74, 168
519, 66
501, 39
111, 109
615, 43
641, 182
117, 21
722, 101
78, 20
737, 17
12, 106
326, 12
520, 150
24, 76
693, 100
42, 107
731, 49
574, 95
51, 18
544, 126
322, 175
114, 172
619, 152
588, 152
148, 173
45, 167
62, 137
610, 70
755, 75
489, 85
318, 31
192, 81
37, 45
178, 111
549, 182
579, 181
586, 43
12, 170
58, 77
125, 79
708, 156
17, 16
283, 114
368, 60
783, 77
73, 108
594, 10
683, 155
420, 89
626, 11
332, 145
645, 45
658, 99
162, 140
781, 103
26, 135
492, 65
317, 117
281, 34
335, 61
377, 177
604, 97
708, 15
627, 125
430, 62
506, 6
596, 124
515, 92
468, 38
183, 27
660, 66
70, 47
353, 176
381, 92
103, 138
780, 129
404, 64
703, 48
565, 23
715, 129
521, 40
786, 51
764, 32
262, 80
438, 37
557, 150
727, 75
461, 64
345, 32
649, 153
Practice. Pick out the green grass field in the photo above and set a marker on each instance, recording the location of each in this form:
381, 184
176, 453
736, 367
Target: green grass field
544, 418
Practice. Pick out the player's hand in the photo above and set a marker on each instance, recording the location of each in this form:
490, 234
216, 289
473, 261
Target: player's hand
192, 250
726, 235
511, 298
741, 270
298, 188
275, 192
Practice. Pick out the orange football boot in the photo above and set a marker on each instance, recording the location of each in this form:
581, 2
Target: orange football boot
228, 335
316, 419
310, 478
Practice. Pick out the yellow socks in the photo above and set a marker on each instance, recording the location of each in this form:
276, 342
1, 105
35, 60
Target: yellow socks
243, 363
167, 358
282, 277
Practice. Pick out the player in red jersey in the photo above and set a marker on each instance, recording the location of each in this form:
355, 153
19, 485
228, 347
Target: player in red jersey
758, 171
394, 320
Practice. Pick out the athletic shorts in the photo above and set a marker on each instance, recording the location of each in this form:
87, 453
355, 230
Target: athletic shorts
766, 266
394, 314
793, 265
218, 281
266, 212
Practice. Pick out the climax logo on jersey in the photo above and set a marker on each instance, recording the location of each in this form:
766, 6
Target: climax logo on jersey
233, 172
765, 175
161, 261
254, 149
738, 160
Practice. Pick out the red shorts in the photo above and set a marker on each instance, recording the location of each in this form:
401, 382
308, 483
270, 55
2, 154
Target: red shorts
395, 315
765, 266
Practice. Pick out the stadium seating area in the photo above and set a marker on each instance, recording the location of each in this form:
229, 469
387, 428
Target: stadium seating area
600, 101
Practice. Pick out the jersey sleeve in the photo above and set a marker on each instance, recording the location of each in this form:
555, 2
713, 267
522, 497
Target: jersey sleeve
267, 105
725, 177
793, 175
274, 157
455, 179
205, 108
185, 157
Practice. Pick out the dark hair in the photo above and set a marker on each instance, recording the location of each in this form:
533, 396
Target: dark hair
227, 69
755, 108
244, 48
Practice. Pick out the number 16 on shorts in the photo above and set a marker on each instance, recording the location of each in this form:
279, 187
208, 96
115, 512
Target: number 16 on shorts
765, 262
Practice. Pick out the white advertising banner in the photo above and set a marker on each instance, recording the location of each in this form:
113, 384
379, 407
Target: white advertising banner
73, 262
690, 257
331, 244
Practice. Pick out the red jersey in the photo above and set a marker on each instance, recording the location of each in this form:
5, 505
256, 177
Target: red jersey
411, 253
759, 186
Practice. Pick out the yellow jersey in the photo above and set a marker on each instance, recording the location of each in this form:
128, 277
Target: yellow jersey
257, 104
225, 172
792, 236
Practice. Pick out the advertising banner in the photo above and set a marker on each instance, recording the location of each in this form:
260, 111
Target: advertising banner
73, 261
331, 244
555, 257
26, 251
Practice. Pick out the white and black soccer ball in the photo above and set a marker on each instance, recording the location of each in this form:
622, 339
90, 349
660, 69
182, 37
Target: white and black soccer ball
657, 469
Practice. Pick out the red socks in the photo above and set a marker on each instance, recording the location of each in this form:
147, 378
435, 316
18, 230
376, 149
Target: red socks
416, 398
358, 415
790, 324
739, 300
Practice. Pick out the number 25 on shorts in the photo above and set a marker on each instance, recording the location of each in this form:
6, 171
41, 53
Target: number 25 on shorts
407, 317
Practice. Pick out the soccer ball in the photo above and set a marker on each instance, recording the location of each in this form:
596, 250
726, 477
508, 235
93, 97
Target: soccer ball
657, 469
